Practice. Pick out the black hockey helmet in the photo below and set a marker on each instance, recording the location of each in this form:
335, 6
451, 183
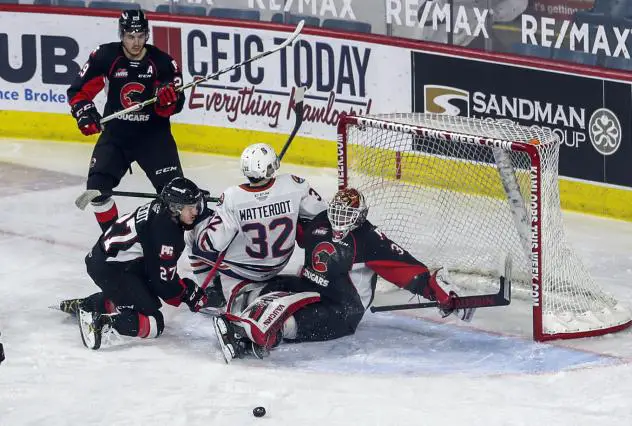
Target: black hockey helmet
182, 192
133, 21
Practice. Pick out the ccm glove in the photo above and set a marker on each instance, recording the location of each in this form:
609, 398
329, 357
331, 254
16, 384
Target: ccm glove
193, 295
166, 94
87, 116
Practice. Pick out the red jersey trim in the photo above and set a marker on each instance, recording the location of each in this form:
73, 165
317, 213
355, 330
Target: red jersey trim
247, 187
396, 272
89, 90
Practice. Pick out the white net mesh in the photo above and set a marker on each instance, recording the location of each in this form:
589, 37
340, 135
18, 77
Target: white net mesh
445, 202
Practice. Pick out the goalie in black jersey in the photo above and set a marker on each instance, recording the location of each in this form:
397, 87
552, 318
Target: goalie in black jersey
134, 71
344, 254
134, 264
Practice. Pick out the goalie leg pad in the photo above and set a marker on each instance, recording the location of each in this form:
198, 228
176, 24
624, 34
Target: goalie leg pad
243, 294
263, 318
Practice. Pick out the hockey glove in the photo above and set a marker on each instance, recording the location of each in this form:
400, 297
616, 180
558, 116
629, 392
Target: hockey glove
87, 116
193, 295
166, 94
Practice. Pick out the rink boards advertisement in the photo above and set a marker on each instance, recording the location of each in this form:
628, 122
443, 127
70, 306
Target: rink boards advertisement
591, 116
40, 55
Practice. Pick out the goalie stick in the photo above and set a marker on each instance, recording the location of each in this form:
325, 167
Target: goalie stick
193, 83
502, 298
88, 195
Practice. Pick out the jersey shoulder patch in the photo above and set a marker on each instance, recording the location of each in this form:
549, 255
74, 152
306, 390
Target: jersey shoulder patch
221, 200
298, 179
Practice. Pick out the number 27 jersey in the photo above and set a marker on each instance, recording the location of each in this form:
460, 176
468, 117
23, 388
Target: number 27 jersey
258, 225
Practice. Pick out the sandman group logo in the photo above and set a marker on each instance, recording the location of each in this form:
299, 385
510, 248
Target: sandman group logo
604, 130
446, 100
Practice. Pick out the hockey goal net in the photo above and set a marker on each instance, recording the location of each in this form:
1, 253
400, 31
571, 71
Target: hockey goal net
464, 193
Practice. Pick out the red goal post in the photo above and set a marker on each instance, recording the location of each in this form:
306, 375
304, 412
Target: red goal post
463, 193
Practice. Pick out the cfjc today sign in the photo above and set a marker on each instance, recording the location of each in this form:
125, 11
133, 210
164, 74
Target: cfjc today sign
591, 116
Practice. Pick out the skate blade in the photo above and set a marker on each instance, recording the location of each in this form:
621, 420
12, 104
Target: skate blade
220, 330
90, 338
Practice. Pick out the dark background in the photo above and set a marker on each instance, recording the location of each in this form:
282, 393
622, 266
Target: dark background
583, 162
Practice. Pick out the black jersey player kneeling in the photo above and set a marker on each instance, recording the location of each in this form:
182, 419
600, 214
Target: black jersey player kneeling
344, 254
134, 264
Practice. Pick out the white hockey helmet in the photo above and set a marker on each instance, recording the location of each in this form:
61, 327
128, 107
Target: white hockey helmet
346, 211
259, 161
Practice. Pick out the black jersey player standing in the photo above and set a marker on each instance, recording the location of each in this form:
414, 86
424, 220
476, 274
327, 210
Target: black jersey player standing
134, 71
134, 263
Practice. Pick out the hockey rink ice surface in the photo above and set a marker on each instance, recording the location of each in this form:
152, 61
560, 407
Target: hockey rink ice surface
410, 368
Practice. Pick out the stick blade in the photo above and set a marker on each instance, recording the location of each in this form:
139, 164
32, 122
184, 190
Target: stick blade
299, 95
86, 198
297, 31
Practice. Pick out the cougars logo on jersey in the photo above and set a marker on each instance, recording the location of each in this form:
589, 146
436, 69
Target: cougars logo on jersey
321, 254
130, 93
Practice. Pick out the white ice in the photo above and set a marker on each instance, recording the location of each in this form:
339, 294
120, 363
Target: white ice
399, 369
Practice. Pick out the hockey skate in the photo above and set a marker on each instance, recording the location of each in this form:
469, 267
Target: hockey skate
93, 326
1, 353
233, 342
70, 306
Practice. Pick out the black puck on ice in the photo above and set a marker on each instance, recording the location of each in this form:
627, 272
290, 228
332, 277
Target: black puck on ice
259, 412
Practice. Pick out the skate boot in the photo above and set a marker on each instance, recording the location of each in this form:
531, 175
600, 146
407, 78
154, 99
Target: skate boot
232, 341
70, 306
1, 353
92, 326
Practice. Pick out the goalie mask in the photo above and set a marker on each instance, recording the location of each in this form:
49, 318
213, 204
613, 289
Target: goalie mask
259, 162
346, 211
181, 192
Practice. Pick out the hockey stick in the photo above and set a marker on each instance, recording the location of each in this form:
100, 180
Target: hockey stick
213, 271
502, 298
88, 195
193, 83
299, 95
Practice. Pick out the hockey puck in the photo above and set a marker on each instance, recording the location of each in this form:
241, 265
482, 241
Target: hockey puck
259, 412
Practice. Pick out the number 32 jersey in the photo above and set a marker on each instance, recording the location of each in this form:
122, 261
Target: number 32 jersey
258, 225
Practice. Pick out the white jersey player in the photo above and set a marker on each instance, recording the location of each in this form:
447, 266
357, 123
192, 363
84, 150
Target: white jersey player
256, 224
